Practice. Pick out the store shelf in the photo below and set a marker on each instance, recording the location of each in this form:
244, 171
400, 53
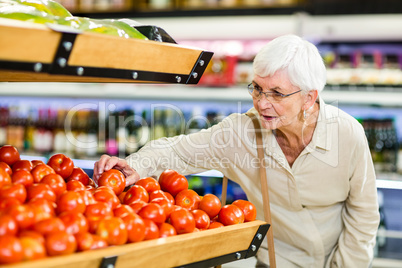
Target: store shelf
343, 95
36, 52
374, 27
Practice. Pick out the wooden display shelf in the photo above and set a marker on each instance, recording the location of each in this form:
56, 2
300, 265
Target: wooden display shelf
202, 249
53, 53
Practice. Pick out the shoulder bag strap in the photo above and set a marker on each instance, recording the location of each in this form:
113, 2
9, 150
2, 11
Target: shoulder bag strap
264, 189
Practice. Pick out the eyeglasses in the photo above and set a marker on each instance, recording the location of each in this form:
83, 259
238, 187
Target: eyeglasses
269, 96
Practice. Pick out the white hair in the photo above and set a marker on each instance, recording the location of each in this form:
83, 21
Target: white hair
300, 58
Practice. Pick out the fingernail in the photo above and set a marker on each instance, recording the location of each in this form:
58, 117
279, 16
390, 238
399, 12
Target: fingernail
106, 167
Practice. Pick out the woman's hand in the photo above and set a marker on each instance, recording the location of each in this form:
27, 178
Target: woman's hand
107, 162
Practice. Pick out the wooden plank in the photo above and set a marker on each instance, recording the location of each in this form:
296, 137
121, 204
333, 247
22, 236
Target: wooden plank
96, 50
20, 76
163, 252
28, 42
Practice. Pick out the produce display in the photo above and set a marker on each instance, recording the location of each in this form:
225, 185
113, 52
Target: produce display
51, 12
54, 208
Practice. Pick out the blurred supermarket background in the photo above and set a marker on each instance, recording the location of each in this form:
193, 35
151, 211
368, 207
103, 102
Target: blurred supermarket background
360, 41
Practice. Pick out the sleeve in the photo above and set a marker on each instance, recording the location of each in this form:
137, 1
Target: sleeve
189, 154
360, 214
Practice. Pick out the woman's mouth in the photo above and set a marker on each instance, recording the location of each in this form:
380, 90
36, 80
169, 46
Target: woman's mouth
269, 118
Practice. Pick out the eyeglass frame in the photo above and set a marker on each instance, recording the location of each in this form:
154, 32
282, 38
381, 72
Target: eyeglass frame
275, 93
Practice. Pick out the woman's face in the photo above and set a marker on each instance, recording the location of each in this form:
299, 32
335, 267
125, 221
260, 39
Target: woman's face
280, 114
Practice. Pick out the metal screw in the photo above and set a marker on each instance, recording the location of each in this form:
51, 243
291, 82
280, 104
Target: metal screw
253, 248
67, 45
62, 62
38, 67
135, 75
259, 236
80, 71
195, 75
238, 256
178, 79
202, 63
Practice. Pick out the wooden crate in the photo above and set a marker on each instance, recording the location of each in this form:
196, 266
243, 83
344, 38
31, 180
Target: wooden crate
202, 249
35, 52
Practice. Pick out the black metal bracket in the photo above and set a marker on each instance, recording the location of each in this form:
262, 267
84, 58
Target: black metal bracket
235, 256
60, 60
199, 67
108, 262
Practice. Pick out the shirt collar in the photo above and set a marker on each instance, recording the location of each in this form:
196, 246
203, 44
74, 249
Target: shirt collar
322, 133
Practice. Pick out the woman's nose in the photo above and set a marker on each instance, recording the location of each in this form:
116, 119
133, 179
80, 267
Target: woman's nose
264, 103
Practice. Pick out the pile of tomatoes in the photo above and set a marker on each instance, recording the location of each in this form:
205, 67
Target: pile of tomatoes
54, 208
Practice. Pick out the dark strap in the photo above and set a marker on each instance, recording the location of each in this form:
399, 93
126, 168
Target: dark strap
264, 188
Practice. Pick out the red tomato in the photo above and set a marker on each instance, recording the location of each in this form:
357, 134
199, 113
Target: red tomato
122, 210
172, 182
136, 193
201, 218
40, 171
99, 242
9, 154
48, 226
60, 243
43, 209
3, 165
16, 191
188, 199
210, 204
215, 224
167, 206
151, 230
23, 177
135, 227
149, 184
74, 222
6, 203
84, 241
98, 210
121, 197
37, 162
166, 229
70, 201
107, 196
4, 177
113, 230
183, 221
248, 208
10, 249
87, 196
22, 164
40, 190
114, 179
93, 224
154, 212
32, 249
8, 226
159, 193
79, 174
32, 234
56, 183
137, 205
230, 214
75, 186
62, 165
23, 215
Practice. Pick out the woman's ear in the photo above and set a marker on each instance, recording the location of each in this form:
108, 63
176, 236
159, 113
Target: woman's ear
311, 98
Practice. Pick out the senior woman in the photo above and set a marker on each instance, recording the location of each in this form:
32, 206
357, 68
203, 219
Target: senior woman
320, 174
